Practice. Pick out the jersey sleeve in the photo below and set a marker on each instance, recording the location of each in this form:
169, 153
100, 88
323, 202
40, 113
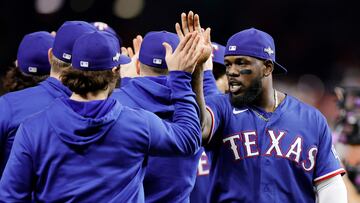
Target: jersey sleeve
216, 107
17, 181
328, 163
210, 87
5, 117
181, 136
5, 129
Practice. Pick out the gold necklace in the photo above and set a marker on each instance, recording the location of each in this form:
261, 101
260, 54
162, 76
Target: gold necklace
276, 100
275, 106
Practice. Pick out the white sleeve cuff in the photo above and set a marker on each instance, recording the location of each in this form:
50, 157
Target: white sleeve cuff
332, 190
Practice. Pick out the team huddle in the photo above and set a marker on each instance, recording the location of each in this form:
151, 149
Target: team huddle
154, 123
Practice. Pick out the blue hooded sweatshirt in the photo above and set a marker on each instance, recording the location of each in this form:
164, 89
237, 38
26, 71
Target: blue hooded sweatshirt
97, 151
15, 107
177, 177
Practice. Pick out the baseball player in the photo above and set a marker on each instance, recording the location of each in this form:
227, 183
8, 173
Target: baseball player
151, 92
88, 148
32, 65
15, 107
213, 69
219, 67
266, 146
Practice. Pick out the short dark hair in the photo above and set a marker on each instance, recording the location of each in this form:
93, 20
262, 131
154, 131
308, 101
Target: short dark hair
153, 70
82, 82
57, 65
15, 80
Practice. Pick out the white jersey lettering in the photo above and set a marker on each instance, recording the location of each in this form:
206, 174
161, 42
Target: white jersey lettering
275, 141
233, 145
295, 149
248, 144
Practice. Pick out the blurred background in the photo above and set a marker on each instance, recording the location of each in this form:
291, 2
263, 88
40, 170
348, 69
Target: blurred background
318, 41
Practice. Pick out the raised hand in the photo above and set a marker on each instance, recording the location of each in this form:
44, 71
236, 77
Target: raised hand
186, 55
129, 70
191, 23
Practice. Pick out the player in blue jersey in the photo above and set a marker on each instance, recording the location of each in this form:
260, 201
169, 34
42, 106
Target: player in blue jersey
266, 146
88, 148
214, 73
150, 91
32, 65
219, 67
16, 106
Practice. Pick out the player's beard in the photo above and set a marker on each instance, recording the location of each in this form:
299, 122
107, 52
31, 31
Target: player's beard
249, 96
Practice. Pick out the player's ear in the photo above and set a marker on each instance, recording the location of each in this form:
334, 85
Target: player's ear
50, 55
116, 70
269, 67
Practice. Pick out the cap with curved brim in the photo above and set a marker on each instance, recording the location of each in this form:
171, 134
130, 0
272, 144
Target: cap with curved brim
255, 43
124, 59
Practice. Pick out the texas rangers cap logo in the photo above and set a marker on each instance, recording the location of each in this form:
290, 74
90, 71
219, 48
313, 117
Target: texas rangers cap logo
269, 51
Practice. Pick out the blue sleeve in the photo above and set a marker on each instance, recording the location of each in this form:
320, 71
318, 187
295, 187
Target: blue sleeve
5, 141
210, 87
327, 161
17, 181
183, 135
216, 107
5, 117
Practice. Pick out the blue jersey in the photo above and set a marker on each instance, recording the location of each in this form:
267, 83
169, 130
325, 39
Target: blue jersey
269, 157
177, 177
97, 151
200, 193
15, 107
201, 188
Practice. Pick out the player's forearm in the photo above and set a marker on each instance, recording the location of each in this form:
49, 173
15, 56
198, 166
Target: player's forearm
186, 112
197, 86
332, 190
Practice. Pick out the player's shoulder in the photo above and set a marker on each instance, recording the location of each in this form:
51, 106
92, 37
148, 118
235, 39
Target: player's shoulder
303, 108
22, 95
222, 99
36, 119
136, 113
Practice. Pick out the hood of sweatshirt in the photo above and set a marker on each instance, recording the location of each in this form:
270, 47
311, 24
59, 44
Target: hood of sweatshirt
150, 93
83, 123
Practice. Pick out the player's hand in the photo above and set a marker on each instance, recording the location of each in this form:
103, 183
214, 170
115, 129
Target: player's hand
129, 70
191, 23
186, 55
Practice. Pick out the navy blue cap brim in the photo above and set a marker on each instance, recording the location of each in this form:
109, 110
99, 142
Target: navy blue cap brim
279, 69
124, 59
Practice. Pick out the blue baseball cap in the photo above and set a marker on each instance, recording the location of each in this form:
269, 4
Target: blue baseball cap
32, 55
152, 52
97, 51
218, 53
66, 36
255, 43
101, 26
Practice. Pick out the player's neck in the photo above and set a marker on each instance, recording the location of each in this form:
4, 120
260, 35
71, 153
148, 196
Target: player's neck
90, 96
267, 100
